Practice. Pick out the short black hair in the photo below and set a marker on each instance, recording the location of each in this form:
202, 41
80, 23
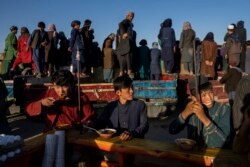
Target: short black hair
41, 24
201, 88
122, 82
13, 28
63, 77
202, 82
87, 21
25, 30
75, 22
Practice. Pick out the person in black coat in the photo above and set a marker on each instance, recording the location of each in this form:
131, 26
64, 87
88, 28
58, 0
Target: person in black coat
126, 44
4, 125
231, 79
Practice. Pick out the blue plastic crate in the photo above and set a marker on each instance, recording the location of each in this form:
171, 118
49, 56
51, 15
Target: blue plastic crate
155, 89
10, 91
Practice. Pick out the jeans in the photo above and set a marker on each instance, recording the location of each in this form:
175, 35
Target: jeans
39, 59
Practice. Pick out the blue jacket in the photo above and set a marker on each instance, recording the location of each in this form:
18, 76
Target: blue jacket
137, 118
76, 40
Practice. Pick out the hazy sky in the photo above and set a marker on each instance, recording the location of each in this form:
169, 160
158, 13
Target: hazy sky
204, 15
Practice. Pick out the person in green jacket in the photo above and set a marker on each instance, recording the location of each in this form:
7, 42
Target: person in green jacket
207, 121
10, 50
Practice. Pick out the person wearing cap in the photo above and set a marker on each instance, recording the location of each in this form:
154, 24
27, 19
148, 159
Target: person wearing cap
126, 44
10, 51
155, 64
233, 47
207, 121
60, 103
38, 40
76, 45
88, 36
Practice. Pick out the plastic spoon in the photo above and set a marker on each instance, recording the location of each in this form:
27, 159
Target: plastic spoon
84, 126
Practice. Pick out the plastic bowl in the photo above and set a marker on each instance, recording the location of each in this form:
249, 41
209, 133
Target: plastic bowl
185, 144
106, 133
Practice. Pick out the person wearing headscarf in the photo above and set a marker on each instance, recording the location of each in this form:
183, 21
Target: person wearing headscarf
51, 51
155, 64
88, 36
242, 33
108, 58
167, 39
186, 45
144, 59
209, 53
63, 53
10, 50
233, 47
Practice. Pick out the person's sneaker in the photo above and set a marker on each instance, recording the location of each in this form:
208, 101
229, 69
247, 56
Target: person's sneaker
39, 75
26, 71
131, 75
83, 75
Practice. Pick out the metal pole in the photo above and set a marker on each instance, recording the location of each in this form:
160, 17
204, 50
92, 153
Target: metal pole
195, 72
78, 87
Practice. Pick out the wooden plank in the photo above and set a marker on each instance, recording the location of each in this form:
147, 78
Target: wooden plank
147, 147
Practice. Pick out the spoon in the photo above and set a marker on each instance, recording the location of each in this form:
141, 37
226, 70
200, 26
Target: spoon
84, 126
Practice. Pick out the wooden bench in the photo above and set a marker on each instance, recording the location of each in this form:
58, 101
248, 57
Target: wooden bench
146, 147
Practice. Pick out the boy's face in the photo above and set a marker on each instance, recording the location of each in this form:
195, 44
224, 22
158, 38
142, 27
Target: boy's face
77, 27
207, 98
126, 94
14, 31
62, 91
230, 31
130, 16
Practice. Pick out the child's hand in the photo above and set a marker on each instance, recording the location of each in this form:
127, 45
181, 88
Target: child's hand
48, 101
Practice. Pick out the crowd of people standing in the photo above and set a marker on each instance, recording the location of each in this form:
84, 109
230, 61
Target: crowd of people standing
208, 122
45, 52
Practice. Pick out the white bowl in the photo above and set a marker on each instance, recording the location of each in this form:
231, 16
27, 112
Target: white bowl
185, 144
107, 132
